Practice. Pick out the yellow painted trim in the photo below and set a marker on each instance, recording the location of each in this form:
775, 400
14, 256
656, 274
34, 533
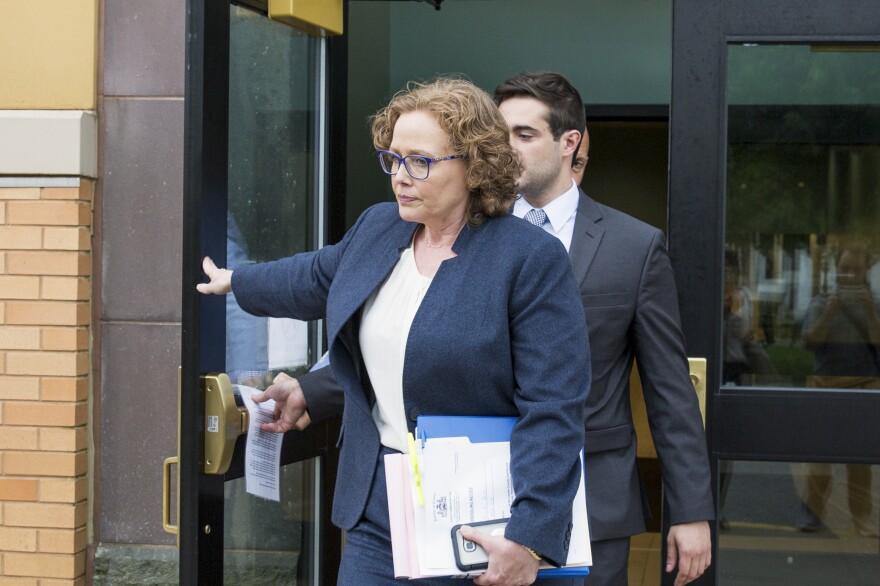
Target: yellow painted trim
316, 17
48, 55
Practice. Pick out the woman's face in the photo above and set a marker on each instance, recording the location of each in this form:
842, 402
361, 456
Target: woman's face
441, 199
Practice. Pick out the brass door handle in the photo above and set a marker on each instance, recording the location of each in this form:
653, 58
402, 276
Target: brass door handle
166, 496
697, 367
224, 422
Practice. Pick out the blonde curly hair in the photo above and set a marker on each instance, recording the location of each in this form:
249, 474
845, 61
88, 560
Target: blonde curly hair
475, 126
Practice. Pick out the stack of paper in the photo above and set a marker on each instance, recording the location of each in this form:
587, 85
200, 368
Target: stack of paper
464, 479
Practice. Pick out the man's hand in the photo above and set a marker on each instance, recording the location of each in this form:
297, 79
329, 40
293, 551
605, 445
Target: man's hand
688, 546
510, 564
290, 405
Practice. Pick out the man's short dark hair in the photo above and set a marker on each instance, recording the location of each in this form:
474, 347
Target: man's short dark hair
554, 91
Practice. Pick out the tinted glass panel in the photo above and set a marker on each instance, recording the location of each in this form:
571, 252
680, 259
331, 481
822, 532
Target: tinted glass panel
271, 114
802, 215
798, 523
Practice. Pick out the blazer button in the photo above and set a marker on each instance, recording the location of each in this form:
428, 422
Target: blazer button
414, 414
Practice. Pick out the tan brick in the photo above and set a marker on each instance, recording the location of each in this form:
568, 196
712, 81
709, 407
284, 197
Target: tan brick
73, 192
2, 312
47, 565
22, 388
73, 238
16, 539
64, 389
47, 313
45, 414
45, 464
19, 338
20, 193
81, 581
63, 439
19, 287
18, 581
61, 540
27, 262
17, 489
2, 212
64, 338
66, 288
48, 213
21, 238
18, 438
60, 363
2, 362
63, 490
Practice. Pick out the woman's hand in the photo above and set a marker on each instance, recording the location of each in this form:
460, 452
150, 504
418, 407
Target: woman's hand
290, 405
221, 279
510, 564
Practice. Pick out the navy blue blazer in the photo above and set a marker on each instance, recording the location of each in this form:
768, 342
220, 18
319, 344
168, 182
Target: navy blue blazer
499, 332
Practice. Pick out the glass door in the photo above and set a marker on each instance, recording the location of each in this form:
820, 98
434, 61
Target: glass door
255, 186
775, 239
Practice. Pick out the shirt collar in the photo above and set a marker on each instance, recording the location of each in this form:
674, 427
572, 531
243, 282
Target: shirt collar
558, 211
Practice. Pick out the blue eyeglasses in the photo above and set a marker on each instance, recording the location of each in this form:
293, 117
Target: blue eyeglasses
418, 166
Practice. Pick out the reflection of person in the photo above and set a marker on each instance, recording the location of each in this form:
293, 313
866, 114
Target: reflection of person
442, 304
628, 292
842, 329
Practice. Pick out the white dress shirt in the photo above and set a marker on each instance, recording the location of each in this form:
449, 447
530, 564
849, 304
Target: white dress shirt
560, 213
387, 317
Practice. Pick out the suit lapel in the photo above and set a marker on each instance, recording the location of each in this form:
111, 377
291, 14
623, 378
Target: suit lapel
375, 260
587, 236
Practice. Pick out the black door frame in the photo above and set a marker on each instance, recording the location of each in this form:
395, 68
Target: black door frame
775, 420
201, 502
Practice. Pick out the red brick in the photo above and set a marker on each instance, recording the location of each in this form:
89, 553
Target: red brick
17, 489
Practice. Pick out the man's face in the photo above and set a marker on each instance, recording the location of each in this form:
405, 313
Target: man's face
541, 156
580, 159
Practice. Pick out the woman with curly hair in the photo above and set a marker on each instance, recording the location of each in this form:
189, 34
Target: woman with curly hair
442, 304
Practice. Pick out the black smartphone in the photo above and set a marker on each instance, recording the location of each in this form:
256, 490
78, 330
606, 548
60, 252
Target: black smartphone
468, 555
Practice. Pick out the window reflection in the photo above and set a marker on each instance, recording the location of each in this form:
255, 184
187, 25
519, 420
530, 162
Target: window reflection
803, 205
793, 523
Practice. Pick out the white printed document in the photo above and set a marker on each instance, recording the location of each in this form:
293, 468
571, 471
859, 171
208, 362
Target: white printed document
262, 456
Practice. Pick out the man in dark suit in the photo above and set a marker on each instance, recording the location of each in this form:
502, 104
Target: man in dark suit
628, 291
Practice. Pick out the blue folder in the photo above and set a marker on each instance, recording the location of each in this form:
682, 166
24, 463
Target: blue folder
481, 429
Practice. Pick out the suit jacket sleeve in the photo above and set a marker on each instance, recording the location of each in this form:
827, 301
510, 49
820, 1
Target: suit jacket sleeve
673, 409
548, 347
324, 396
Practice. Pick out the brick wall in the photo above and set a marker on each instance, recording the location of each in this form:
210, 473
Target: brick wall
45, 263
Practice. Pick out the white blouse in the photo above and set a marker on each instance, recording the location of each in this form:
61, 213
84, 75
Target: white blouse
387, 317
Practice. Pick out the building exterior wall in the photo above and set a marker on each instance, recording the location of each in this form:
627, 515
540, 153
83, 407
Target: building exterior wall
48, 149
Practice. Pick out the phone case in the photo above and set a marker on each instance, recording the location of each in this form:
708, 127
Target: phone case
468, 555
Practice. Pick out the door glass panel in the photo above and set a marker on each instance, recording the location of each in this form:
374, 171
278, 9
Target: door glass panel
802, 523
802, 214
271, 186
